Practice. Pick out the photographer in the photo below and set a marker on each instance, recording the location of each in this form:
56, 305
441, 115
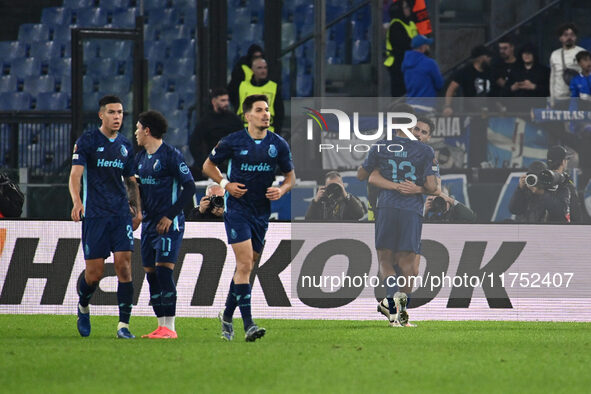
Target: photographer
211, 206
557, 161
332, 202
539, 197
445, 209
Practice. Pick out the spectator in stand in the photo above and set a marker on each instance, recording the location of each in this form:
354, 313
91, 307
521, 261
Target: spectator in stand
580, 86
474, 79
530, 78
242, 71
211, 128
421, 73
398, 38
507, 65
563, 64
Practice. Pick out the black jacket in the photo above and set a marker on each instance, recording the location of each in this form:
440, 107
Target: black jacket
550, 207
458, 213
349, 208
197, 216
538, 74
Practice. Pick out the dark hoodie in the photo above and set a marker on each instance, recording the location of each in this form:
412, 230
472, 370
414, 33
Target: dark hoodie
421, 75
238, 74
538, 74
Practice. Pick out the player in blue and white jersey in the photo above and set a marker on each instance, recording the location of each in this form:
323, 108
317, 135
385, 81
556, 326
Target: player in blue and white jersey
102, 168
254, 154
166, 186
399, 219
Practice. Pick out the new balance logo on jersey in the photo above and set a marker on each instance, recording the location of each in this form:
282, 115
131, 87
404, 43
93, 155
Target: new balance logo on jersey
100, 149
109, 163
244, 152
261, 167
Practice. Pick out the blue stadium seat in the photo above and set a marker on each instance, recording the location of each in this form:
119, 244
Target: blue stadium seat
62, 33
116, 49
337, 32
91, 49
124, 18
166, 102
91, 17
89, 84
176, 136
111, 5
187, 99
46, 49
361, 51
251, 33
162, 17
116, 84
90, 101
25, 67
185, 86
52, 101
64, 84
80, 3
177, 119
288, 34
17, 101
158, 85
60, 66
8, 83
31, 32
360, 29
12, 49
155, 50
183, 66
155, 4
42, 84
176, 32
102, 67
182, 47
304, 85
56, 16
188, 18
239, 17
152, 33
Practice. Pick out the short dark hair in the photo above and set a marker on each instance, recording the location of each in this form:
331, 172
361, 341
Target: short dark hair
429, 123
332, 175
507, 39
216, 92
583, 55
155, 121
250, 100
564, 27
109, 100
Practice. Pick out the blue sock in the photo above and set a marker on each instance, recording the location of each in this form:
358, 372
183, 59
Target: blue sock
168, 290
243, 300
155, 293
391, 289
125, 301
230, 303
85, 291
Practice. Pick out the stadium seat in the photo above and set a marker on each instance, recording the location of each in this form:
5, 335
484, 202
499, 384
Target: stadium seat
62, 33
158, 85
177, 119
46, 50
42, 84
361, 51
90, 101
91, 17
111, 5
55, 16
176, 32
64, 84
155, 50
80, 3
52, 101
25, 67
12, 49
116, 84
240, 17
288, 34
304, 85
166, 102
360, 29
162, 17
91, 49
182, 66
89, 84
176, 137
31, 32
60, 66
188, 18
17, 101
182, 48
185, 86
8, 83
120, 50
155, 4
124, 18
102, 67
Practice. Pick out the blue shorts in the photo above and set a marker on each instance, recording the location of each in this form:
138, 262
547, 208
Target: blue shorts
161, 248
241, 227
398, 230
103, 235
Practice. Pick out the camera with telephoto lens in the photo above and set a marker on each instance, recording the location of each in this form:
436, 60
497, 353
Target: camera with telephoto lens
216, 202
333, 192
438, 205
545, 179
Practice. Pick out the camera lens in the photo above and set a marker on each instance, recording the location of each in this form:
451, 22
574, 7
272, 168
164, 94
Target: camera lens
531, 180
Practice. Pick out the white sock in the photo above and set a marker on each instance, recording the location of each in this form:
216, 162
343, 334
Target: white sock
161, 321
122, 325
83, 309
169, 323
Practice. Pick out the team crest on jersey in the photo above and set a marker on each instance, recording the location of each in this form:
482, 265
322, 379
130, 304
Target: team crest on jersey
183, 168
123, 151
157, 166
272, 151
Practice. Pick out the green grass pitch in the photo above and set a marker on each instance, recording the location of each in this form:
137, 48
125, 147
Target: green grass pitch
43, 353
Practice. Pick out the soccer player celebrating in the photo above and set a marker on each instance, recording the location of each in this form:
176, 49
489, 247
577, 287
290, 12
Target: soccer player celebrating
166, 186
103, 158
399, 222
254, 154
